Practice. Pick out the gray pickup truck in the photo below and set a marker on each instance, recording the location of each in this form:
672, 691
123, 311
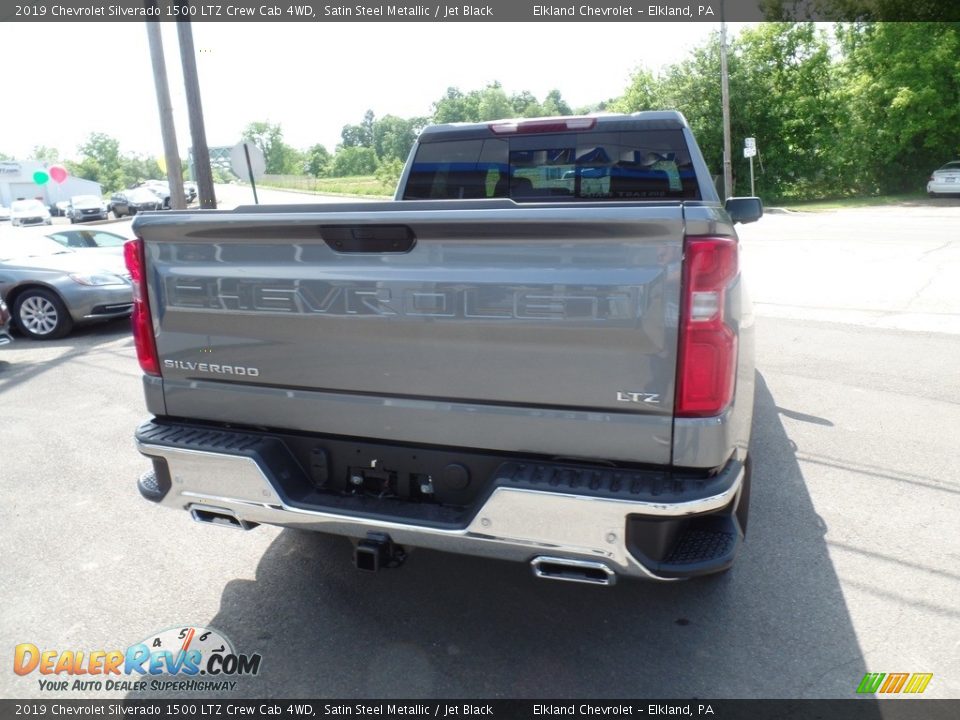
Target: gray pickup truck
540, 351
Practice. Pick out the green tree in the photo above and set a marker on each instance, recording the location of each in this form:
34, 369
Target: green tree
454, 106
317, 161
783, 92
901, 95
493, 103
353, 161
786, 97
525, 104
101, 161
643, 93
280, 158
394, 136
46, 155
554, 104
359, 135
388, 173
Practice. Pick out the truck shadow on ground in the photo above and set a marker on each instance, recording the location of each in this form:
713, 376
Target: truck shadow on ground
447, 626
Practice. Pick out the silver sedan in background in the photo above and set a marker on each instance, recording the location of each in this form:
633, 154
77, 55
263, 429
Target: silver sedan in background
49, 288
87, 239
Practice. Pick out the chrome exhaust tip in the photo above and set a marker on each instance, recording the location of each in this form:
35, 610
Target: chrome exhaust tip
589, 572
220, 517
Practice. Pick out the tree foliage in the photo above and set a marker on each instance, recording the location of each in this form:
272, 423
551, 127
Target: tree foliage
45, 154
101, 161
280, 158
354, 161
901, 91
454, 106
492, 103
359, 135
394, 136
317, 161
391, 137
874, 109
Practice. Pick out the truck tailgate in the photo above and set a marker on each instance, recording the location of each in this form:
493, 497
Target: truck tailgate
535, 328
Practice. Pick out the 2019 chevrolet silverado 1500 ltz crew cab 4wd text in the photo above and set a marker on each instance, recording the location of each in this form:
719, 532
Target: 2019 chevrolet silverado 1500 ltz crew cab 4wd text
541, 351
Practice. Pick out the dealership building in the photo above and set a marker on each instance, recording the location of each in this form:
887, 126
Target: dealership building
16, 183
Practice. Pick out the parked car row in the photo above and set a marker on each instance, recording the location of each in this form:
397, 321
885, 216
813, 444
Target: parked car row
146, 195
161, 189
53, 280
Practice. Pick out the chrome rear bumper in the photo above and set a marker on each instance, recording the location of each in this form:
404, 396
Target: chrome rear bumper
516, 524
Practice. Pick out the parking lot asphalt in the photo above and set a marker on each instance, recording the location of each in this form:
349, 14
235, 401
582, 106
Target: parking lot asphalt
850, 564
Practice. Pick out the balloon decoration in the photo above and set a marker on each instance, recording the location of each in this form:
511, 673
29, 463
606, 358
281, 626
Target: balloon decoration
58, 173
40, 177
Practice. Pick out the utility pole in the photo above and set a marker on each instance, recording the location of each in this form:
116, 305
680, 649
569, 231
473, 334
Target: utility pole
725, 99
198, 136
167, 130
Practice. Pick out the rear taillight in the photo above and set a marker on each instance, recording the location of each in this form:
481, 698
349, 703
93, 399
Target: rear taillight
708, 345
142, 325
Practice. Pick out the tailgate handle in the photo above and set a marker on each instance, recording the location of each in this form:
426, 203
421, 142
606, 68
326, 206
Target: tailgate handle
368, 238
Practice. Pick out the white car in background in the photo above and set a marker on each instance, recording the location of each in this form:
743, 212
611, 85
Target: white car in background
945, 181
4, 213
29, 212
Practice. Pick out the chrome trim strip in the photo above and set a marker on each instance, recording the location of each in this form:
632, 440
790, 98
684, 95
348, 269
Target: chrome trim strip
514, 524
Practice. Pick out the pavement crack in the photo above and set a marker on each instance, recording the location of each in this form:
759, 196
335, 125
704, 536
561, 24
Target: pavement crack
815, 682
918, 293
945, 245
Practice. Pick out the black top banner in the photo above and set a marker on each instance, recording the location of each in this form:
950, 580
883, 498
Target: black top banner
212, 709
480, 11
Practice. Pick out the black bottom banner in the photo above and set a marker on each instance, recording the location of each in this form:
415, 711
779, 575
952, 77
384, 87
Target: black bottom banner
858, 709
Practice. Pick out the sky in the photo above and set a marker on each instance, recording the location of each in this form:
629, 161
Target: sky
312, 79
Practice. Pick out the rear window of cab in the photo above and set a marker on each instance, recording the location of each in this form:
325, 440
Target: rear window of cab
563, 167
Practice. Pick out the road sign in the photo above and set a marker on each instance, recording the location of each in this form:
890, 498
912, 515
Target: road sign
238, 160
750, 143
749, 152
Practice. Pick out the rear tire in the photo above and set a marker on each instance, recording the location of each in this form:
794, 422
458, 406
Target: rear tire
40, 314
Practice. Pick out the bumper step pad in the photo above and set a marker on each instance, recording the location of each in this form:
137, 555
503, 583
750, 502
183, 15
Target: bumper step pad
697, 546
614, 483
